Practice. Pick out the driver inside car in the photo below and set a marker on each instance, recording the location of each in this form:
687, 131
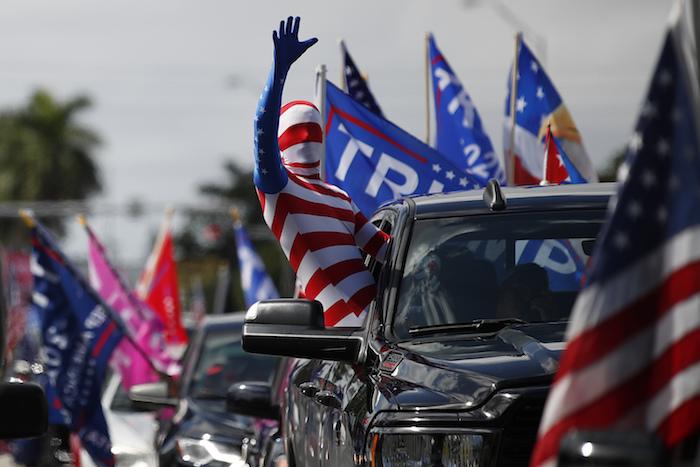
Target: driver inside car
524, 294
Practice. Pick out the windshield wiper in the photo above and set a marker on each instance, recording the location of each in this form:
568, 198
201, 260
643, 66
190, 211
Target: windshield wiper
480, 326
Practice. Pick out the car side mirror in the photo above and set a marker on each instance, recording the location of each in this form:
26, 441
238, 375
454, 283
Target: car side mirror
24, 410
150, 396
252, 399
295, 328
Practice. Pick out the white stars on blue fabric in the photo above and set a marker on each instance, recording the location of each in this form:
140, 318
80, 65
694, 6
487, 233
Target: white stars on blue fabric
660, 177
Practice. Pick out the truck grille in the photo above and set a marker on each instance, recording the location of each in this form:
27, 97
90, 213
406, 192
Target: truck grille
520, 433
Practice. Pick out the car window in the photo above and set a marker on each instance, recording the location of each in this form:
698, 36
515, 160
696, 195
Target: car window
222, 362
527, 266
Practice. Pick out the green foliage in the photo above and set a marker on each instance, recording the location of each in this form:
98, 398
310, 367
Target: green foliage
45, 155
609, 173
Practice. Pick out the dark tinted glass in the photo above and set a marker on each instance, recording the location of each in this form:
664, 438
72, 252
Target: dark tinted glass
528, 266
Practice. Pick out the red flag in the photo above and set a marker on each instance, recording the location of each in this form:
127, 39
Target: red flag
158, 287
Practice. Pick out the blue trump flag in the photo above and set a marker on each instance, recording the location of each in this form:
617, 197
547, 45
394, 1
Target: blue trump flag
79, 334
375, 161
356, 83
565, 268
255, 282
460, 135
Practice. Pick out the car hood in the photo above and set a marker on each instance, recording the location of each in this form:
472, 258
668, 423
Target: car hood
463, 370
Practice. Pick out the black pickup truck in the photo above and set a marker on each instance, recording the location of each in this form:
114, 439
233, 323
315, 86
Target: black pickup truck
456, 357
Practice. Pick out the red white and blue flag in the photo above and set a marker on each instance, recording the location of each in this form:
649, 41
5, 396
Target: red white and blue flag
460, 135
375, 161
80, 333
558, 168
538, 105
633, 359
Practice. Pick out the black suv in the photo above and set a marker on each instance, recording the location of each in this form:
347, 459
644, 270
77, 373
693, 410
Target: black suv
200, 432
457, 355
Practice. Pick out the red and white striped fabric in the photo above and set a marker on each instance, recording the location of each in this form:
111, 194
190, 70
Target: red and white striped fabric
300, 138
320, 229
634, 362
318, 226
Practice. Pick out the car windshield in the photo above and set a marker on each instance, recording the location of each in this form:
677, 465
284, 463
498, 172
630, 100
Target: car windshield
222, 362
505, 268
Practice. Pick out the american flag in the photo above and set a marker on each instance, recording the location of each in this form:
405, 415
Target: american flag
357, 86
633, 359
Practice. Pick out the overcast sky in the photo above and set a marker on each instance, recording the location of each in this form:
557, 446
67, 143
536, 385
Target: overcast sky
175, 83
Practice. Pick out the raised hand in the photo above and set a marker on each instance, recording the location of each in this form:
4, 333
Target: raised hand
287, 46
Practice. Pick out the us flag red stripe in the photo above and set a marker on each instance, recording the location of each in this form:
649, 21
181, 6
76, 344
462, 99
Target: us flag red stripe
633, 359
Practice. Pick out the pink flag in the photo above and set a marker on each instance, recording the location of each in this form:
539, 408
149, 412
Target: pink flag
146, 330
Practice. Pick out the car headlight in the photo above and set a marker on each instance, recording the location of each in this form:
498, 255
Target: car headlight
411, 447
204, 451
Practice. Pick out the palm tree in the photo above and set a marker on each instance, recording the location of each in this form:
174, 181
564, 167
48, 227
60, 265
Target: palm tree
45, 155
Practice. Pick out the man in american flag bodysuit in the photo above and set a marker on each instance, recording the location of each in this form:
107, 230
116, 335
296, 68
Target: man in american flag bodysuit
317, 224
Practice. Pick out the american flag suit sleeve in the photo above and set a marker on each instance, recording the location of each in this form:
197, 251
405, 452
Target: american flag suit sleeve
369, 238
270, 175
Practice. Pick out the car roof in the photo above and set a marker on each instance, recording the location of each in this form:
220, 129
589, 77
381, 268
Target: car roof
534, 198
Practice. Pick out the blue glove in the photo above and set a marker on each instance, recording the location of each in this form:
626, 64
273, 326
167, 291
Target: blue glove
287, 46
269, 175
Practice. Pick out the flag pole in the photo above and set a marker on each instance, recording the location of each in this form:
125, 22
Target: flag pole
341, 67
321, 97
695, 19
510, 163
234, 213
545, 181
427, 87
